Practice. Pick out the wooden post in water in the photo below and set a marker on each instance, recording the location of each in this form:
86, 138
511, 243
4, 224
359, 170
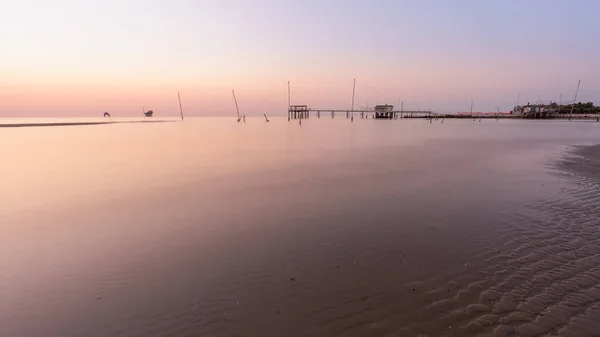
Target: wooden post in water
180, 106
401, 108
289, 101
236, 106
353, 90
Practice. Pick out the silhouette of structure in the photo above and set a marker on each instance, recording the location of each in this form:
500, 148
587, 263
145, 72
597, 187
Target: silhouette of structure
384, 111
298, 111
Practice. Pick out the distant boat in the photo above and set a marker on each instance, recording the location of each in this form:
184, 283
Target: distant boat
106, 114
149, 113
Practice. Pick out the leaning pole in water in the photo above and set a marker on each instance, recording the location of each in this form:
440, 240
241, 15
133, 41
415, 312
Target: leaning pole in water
236, 106
180, 106
574, 100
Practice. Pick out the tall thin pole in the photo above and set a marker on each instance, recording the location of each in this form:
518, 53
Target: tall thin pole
560, 100
353, 91
560, 103
236, 105
471, 107
180, 106
574, 100
289, 101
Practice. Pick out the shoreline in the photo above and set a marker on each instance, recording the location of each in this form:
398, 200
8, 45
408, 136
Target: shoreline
49, 124
46, 123
594, 118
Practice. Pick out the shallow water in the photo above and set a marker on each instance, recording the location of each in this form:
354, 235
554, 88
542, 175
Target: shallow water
374, 228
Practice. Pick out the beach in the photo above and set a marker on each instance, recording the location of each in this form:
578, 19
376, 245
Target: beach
53, 122
209, 227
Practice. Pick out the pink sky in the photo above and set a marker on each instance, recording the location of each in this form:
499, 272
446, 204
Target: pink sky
87, 58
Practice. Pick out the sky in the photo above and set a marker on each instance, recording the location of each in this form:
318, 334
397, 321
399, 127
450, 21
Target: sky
82, 58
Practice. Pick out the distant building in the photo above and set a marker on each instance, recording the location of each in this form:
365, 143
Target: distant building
536, 110
384, 111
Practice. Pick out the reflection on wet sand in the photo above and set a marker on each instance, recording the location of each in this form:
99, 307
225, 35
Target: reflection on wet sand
329, 229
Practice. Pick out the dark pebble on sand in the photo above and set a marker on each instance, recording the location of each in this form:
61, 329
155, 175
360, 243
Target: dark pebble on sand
413, 289
292, 279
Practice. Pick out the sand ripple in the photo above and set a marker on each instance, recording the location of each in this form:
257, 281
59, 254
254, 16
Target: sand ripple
540, 275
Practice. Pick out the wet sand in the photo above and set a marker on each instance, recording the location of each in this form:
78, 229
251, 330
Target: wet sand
583, 161
50, 124
311, 231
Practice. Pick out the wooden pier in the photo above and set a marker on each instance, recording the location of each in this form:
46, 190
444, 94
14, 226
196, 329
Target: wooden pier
303, 112
385, 111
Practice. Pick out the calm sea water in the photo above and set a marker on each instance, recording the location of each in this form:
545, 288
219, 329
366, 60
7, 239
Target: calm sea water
208, 227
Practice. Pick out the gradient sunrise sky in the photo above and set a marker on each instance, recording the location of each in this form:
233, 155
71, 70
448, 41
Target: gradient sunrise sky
81, 58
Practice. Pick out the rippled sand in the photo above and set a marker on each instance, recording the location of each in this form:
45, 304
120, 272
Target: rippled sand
276, 230
539, 275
